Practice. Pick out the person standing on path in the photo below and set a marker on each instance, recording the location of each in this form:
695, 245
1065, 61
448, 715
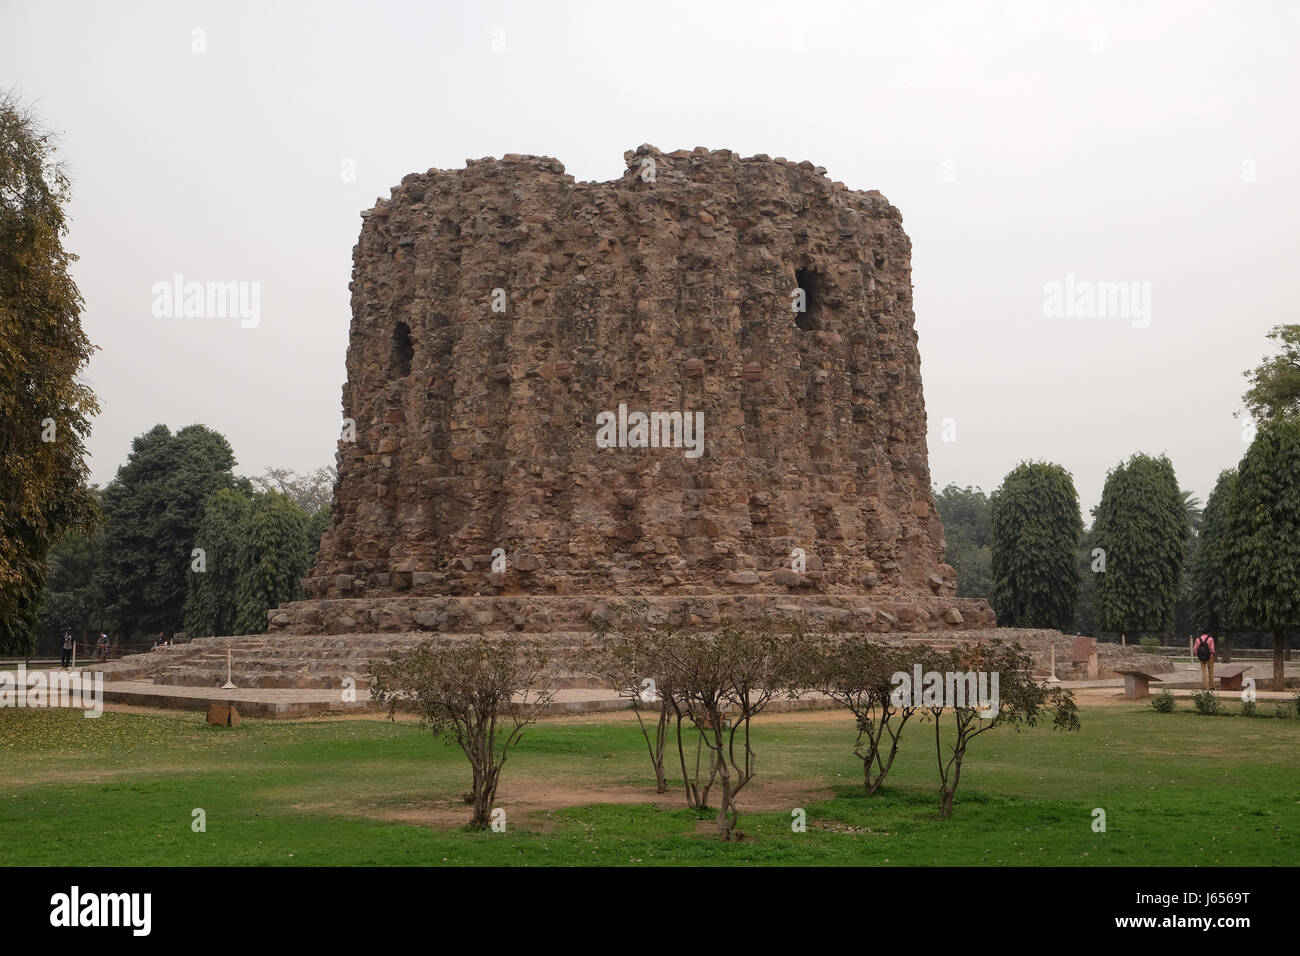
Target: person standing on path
1204, 649
67, 649
101, 648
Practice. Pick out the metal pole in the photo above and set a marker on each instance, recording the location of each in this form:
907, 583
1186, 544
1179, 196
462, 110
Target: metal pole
229, 684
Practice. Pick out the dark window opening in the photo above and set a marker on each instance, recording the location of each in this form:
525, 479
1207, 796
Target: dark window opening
812, 284
403, 349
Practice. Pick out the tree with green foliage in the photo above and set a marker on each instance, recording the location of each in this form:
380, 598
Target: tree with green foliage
212, 603
71, 600
311, 491
257, 548
153, 508
44, 408
1275, 384
1085, 612
1036, 528
1142, 528
274, 554
1209, 568
966, 513
1194, 512
1263, 536
967, 520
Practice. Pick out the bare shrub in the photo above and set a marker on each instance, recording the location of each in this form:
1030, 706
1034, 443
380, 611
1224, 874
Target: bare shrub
624, 656
1021, 701
465, 694
722, 680
858, 673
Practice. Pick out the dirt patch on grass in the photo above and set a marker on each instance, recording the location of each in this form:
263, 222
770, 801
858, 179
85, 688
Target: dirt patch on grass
758, 797
535, 799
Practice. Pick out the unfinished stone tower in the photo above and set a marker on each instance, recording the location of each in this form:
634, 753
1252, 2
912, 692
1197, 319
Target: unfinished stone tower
498, 311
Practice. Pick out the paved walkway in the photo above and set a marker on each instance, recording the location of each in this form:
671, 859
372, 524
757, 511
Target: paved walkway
1185, 680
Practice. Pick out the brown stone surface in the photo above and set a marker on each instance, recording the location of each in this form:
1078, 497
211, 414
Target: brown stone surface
476, 429
223, 715
550, 613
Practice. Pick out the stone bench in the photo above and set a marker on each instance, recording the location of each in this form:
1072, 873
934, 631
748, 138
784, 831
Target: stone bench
1136, 682
1230, 677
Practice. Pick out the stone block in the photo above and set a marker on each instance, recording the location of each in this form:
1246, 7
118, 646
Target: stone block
223, 715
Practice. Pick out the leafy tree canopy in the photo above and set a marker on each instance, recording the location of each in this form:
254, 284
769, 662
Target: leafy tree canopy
212, 602
967, 521
1036, 527
1275, 384
1263, 535
258, 547
1209, 569
311, 492
153, 508
275, 552
1142, 528
44, 409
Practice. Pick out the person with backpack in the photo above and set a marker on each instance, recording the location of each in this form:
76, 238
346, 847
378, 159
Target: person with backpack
1204, 650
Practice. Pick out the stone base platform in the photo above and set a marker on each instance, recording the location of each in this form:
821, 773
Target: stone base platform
279, 704
250, 702
297, 661
282, 675
546, 614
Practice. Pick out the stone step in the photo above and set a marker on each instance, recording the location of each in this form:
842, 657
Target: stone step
295, 680
322, 661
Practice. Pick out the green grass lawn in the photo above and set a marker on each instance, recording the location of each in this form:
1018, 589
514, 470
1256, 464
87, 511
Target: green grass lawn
1177, 789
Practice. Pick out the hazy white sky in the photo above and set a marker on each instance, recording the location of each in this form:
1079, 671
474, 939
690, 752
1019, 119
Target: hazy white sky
1148, 143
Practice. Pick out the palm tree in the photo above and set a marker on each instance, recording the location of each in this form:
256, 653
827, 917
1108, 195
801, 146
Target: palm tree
1193, 509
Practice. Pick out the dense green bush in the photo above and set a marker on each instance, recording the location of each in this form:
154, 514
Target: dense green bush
1206, 702
1163, 702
